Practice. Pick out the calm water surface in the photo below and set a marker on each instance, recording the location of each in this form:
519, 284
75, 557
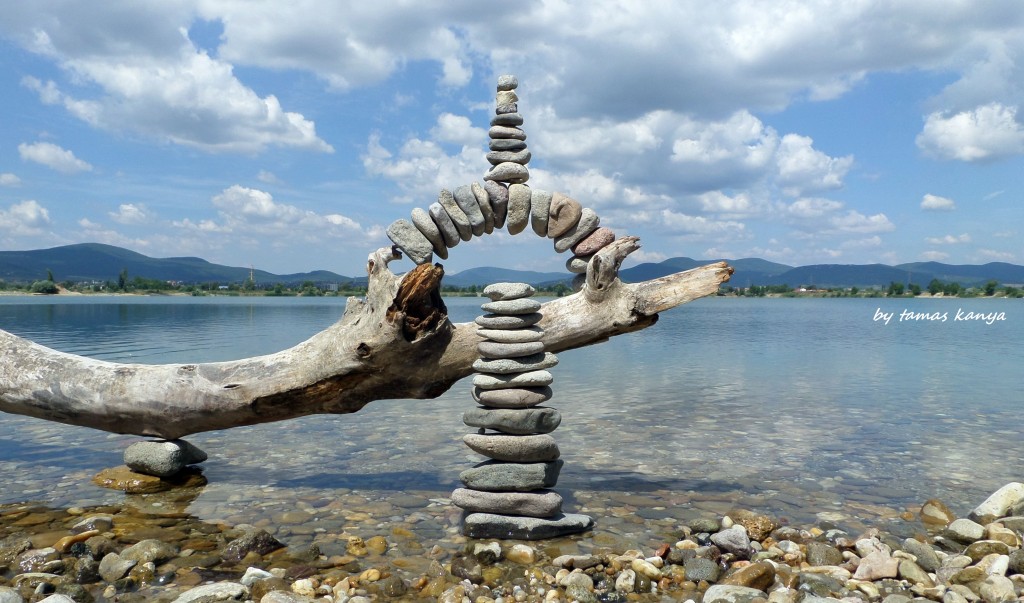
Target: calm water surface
809, 409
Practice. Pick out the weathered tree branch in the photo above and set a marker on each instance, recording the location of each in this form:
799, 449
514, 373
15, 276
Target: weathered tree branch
396, 343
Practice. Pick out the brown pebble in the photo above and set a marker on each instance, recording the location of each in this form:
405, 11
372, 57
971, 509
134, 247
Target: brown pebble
595, 241
563, 213
63, 544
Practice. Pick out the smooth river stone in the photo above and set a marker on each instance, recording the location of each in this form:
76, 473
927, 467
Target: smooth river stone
540, 204
503, 291
577, 264
496, 476
531, 379
507, 171
493, 525
565, 212
507, 82
521, 157
543, 503
494, 321
589, 221
508, 132
492, 349
466, 201
425, 224
444, 224
520, 364
508, 119
523, 397
409, 238
512, 306
513, 335
518, 208
162, 458
497, 194
517, 421
595, 241
459, 217
507, 108
484, 204
514, 448
505, 144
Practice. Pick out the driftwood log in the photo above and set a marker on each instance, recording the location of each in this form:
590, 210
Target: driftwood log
395, 343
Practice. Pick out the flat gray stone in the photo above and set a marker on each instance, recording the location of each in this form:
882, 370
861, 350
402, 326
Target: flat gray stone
492, 525
730, 593
998, 503
162, 458
211, 593
514, 448
542, 503
589, 221
497, 194
515, 173
466, 201
425, 224
521, 157
506, 132
521, 364
595, 241
508, 119
521, 397
495, 321
512, 335
540, 204
459, 217
507, 82
518, 208
444, 223
512, 307
505, 144
492, 349
531, 379
564, 213
409, 239
484, 204
515, 421
496, 476
112, 567
507, 108
505, 291
577, 264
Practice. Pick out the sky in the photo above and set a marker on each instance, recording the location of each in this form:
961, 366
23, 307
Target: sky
288, 136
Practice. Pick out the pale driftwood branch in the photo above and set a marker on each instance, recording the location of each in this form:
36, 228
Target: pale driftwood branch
396, 343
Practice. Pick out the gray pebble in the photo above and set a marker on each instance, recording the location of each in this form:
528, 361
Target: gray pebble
497, 195
504, 144
508, 172
512, 336
589, 221
162, 458
531, 379
515, 448
522, 305
577, 264
495, 350
409, 238
492, 525
429, 229
459, 217
466, 201
484, 203
494, 321
522, 157
519, 421
218, 591
518, 208
540, 204
523, 397
494, 476
521, 364
507, 119
444, 223
506, 132
507, 82
565, 212
542, 503
504, 291
507, 108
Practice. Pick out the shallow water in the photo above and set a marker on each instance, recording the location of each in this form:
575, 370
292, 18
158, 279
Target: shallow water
808, 409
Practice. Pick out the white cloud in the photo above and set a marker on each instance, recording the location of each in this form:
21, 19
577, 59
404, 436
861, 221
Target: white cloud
421, 168
812, 207
131, 213
9, 179
932, 202
949, 239
683, 224
803, 169
267, 177
724, 150
855, 222
458, 129
53, 157
25, 218
934, 256
996, 255
987, 132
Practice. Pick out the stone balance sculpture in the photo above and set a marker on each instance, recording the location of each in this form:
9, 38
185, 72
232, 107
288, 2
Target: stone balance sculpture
396, 343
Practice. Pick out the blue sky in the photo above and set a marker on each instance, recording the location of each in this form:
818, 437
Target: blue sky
289, 137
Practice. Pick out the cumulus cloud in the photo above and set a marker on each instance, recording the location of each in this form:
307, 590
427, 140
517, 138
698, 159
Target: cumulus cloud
682, 224
803, 169
131, 213
458, 129
421, 168
855, 222
932, 202
812, 207
9, 179
25, 218
53, 157
985, 133
949, 239
934, 256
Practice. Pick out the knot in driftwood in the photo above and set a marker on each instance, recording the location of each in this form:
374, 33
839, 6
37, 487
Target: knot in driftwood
418, 303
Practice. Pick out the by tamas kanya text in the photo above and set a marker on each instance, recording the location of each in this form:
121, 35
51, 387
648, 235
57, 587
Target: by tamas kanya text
961, 315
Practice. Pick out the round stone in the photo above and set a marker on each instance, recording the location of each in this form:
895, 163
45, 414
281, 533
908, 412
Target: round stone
429, 229
506, 144
530, 379
565, 213
492, 349
521, 364
444, 223
459, 217
506, 132
542, 503
466, 201
512, 336
409, 238
508, 172
512, 306
540, 204
504, 291
497, 195
517, 421
522, 397
162, 458
484, 204
507, 82
508, 119
577, 264
594, 242
514, 448
589, 221
518, 208
522, 157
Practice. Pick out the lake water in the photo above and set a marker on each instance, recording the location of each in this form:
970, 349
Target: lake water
809, 409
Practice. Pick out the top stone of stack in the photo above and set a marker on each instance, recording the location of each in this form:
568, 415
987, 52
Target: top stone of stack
507, 82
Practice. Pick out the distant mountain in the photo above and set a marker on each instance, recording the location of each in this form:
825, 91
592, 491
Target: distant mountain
485, 276
749, 271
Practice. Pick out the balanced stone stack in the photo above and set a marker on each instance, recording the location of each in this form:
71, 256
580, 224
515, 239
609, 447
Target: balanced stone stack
508, 496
